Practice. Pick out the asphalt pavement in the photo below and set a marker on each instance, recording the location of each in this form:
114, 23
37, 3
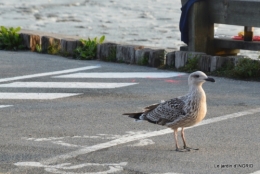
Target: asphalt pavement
60, 115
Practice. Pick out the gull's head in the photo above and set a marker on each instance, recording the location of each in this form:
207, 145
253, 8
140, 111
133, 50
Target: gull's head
198, 78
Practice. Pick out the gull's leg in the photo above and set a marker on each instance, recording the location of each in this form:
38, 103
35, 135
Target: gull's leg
184, 141
176, 139
183, 138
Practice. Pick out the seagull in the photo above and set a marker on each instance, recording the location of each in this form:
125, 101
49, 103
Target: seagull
183, 111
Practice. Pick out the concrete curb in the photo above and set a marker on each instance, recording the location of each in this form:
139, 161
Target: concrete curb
124, 53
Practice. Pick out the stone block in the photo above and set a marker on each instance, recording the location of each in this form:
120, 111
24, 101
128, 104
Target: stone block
181, 57
205, 63
214, 63
49, 41
170, 59
157, 57
107, 51
125, 53
218, 62
30, 41
142, 56
69, 45
234, 59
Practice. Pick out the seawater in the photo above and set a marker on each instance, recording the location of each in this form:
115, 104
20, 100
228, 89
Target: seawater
152, 23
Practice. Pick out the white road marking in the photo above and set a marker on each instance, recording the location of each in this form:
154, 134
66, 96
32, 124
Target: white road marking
127, 139
65, 144
122, 75
36, 96
54, 140
143, 142
256, 172
5, 106
48, 73
62, 140
74, 85
98, 136
113, 168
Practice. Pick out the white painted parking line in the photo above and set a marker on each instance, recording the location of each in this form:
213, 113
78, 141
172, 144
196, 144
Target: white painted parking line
112, 167
122, 75
5, 106
36, 96
48, 73
63, 141
65, 144
140, 136
144, 142
73, 85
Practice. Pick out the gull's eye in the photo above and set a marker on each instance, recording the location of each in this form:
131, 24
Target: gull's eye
197, 76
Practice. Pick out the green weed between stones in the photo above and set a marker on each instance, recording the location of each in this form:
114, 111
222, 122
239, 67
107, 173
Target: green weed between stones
191, 65
143, 61
88, 49
245, 68
10, 39
54, 48
38, 48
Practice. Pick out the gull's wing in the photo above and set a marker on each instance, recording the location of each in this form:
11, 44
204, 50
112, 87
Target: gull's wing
166, 112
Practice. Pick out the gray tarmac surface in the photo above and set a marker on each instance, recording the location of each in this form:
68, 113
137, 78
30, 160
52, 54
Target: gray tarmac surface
86, 133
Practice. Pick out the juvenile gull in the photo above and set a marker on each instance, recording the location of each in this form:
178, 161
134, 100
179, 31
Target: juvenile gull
180, 112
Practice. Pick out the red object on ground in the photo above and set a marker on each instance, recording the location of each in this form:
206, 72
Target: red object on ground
237, 38
255, 38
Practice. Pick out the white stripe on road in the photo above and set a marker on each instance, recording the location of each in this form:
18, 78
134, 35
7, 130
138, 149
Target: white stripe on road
65, 85
127, 139
256, 172
36, 96
61, 168
5, 106
122, 75
48, 73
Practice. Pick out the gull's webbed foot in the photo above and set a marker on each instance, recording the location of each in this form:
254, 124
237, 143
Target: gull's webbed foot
182, 150
189, 148
185, 149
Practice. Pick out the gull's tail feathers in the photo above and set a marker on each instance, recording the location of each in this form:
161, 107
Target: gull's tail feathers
135, 115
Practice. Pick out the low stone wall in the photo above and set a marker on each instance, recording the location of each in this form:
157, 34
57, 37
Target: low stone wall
206, 63
132, 54
124, 53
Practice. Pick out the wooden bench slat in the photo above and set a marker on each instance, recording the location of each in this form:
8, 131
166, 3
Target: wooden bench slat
236, 44
235, 12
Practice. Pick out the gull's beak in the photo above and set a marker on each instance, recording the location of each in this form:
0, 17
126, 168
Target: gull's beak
210, 79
